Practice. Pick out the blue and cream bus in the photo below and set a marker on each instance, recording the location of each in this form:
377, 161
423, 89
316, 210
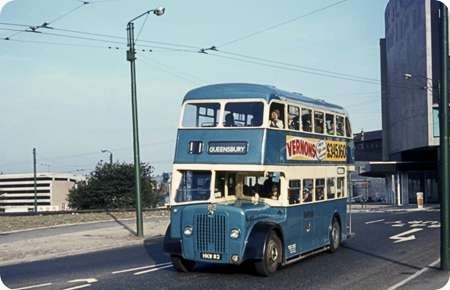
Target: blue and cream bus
260, 175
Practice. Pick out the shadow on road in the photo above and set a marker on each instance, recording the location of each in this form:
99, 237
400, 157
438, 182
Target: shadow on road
122, 224
380, 257
154, 249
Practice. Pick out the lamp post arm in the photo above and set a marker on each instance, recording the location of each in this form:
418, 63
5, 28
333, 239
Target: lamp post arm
137, 17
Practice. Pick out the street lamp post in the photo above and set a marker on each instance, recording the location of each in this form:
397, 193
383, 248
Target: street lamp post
131, 57
110, 155
443, 130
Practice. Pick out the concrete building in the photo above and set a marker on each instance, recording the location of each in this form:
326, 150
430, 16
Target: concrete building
368, 148
410, 74
17, 191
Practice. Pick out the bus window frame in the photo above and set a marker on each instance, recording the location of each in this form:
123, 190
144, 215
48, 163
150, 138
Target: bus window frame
323, 122
226, 102
221, 115
299, 116
311, 119
284, 112
327, 113
343, 126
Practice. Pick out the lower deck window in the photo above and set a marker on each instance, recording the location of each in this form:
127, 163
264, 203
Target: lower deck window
320, 189
294, 191
194, 185
308, 186
331, 188
340, 187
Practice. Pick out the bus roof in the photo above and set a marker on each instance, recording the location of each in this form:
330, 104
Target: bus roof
246, 91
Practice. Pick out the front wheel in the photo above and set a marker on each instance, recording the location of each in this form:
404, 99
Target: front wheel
181, 264
335, 235
272, 256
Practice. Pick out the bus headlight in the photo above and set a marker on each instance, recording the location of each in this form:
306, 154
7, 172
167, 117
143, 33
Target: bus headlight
187, 231
235, 233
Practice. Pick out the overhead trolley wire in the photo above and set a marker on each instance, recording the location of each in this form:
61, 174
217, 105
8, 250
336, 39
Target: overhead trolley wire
272, 27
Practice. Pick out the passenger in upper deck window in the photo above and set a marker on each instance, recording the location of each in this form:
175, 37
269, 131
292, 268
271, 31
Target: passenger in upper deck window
275, 122
229, 120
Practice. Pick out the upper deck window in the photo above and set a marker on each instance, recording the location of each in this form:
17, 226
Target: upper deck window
201, 115
276, 116
318, 122
348, 128
293, 117
306, 120
340, 125
243, 114
329, 122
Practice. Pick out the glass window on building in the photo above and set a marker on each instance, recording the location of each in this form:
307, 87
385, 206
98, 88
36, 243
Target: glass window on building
306, 120
201, 115
293, 117
318, 122
435, 121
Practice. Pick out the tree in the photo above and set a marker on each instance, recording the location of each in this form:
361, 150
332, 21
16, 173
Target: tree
112, 186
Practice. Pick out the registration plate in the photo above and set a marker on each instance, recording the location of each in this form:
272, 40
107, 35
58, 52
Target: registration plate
210, 256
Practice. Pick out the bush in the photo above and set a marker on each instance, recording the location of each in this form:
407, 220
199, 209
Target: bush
112, 186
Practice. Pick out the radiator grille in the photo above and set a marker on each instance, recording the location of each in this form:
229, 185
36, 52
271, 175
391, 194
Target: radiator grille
211, 233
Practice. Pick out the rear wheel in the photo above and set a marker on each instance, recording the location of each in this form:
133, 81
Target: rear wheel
181, 264
272, 256
335, 235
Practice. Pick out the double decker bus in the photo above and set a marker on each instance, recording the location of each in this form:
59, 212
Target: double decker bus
260, 175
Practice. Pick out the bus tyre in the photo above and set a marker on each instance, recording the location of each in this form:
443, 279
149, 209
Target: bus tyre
335, 235
272, 256
181, 264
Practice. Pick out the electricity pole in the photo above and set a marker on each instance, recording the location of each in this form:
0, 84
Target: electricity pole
35, 185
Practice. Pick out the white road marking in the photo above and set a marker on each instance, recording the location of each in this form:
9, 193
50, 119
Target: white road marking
434, 226
152, 270
398, 225
402, 237
33, 286
372, 222
78, 287
88, 280
140, 268
413, 276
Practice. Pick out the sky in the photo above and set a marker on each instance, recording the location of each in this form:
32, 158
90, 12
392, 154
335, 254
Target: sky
68, 93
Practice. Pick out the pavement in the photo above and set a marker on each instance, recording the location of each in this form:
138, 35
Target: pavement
39, 244
108, 256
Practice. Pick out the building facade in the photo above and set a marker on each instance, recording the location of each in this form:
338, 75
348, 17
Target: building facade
410, 74
17, 192
368, 148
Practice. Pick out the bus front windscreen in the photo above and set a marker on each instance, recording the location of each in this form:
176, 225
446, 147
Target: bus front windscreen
243, 114
200, 115
194, 186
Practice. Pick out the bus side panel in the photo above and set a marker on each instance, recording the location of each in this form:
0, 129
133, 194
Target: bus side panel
275, 153
329, 209
308, 226
252, 138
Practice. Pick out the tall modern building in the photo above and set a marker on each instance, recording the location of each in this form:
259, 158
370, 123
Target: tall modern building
410, 75
52, 189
